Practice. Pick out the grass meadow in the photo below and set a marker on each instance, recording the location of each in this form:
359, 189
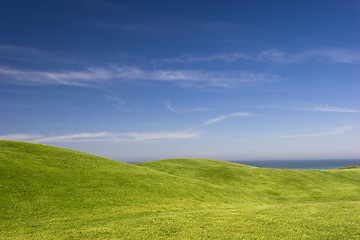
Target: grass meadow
53, 193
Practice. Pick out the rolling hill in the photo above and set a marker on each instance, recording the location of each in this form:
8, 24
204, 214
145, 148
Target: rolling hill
53, 193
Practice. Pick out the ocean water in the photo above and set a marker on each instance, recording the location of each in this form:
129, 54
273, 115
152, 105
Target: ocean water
302, 164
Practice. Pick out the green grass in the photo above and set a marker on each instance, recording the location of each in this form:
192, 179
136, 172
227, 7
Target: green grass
54, 193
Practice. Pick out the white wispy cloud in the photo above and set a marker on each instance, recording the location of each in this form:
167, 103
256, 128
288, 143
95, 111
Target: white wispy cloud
226, 116
135, 137
79, 137
20, 137
104, 137
226, 57
119, 103
191, 78
324, 108
304, 107
172, 109
331, 55
335, 55
336, 131
7, 48
273, 55
97, 75
75, 78
31, 54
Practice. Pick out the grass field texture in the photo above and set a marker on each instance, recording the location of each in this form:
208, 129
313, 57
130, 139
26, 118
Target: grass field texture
54, 193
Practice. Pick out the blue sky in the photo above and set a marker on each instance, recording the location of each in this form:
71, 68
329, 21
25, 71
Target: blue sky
147, 80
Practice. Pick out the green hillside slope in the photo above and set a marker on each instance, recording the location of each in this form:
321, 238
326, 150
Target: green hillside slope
54, 193
264, 184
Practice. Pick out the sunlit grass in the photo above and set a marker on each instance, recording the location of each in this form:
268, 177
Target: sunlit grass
53, 193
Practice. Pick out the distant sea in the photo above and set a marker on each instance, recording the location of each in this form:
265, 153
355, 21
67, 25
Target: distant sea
302, 164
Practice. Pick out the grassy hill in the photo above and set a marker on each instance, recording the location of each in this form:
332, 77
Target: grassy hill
54, 193
264, 184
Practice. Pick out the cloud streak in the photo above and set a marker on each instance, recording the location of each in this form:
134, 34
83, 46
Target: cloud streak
225, 116
330, 55
13, 49
323, 108
172, 109
74, 78
191, 78
275, 56
20, 137
337, 131
97, 75
314, 108
104, 137
119, 104
31, 54
135, 137
225, 57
